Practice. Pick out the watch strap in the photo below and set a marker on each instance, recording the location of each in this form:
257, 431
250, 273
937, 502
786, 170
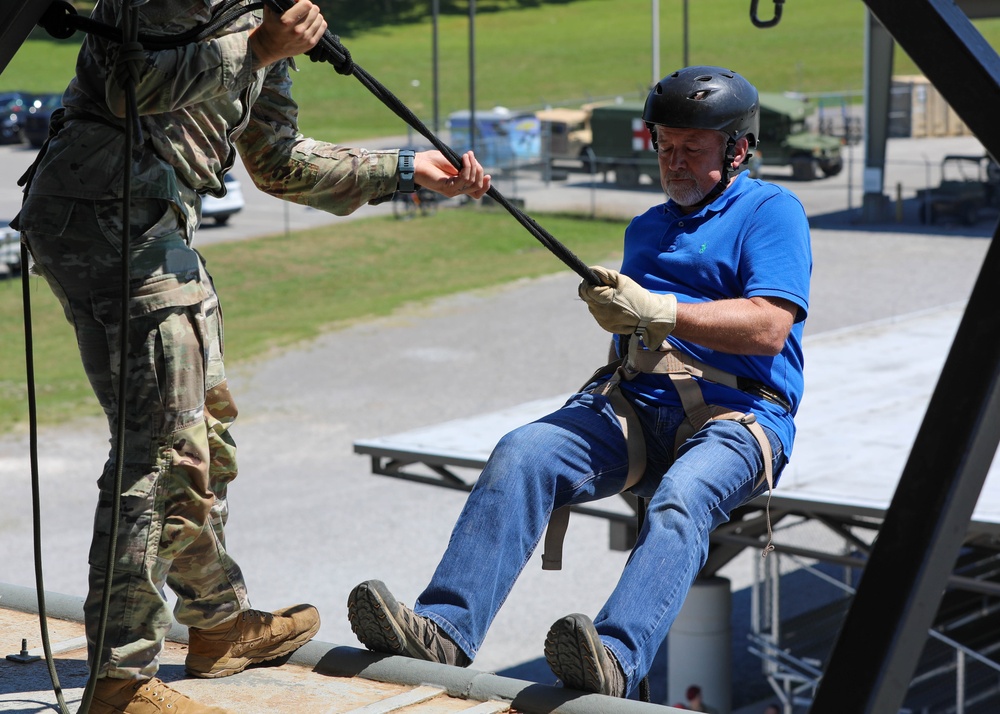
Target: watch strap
404, 171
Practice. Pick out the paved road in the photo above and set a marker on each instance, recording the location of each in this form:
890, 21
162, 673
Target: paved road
912, 164
309, 521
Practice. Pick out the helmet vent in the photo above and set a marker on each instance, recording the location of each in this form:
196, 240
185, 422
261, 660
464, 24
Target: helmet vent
700, 95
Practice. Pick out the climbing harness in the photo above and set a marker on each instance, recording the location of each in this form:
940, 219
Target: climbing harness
684, 372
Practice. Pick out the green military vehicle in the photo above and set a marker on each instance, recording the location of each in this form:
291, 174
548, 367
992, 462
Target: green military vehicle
784, 140
621, 141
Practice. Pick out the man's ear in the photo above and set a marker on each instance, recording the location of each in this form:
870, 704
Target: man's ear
741, 150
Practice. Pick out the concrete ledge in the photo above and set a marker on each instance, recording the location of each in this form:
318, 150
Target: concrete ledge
334, 660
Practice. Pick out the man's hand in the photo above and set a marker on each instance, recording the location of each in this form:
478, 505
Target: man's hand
297, 30
624, 307
433, 170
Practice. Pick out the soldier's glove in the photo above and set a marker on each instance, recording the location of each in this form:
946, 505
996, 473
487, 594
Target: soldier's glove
624, 307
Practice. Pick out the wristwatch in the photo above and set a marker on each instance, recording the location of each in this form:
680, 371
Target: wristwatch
404, 171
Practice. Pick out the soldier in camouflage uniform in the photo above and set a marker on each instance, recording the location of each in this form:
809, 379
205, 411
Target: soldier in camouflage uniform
199, 105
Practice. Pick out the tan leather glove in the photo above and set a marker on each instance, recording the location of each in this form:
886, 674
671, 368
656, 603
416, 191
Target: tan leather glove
624, 307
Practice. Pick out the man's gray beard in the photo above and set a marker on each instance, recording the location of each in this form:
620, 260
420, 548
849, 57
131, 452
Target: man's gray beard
685, 196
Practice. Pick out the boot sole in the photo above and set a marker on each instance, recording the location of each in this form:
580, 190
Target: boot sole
370, 609
229, 667
574, 653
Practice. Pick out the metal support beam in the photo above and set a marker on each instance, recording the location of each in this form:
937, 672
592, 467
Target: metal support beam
878, 88
17, 18
951, 53
884, 633
900, 591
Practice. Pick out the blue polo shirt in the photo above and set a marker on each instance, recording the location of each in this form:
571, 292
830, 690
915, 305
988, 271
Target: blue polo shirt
752, 240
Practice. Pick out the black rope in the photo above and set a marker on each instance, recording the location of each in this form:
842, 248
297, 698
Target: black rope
329, 49
127, 72
36, 501
640, 519
61, 20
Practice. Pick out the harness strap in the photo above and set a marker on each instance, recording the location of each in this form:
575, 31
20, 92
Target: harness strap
681, 369
555, 532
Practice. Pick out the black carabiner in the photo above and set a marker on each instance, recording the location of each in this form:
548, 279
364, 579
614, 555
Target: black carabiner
765, 23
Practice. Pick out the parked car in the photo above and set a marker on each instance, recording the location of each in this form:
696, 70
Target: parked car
13, 106
220, 209
36, 120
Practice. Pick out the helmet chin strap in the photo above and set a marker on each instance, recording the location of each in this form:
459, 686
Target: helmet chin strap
727, 165
727, 161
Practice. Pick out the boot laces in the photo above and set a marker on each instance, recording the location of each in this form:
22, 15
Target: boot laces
159, 691
257, 615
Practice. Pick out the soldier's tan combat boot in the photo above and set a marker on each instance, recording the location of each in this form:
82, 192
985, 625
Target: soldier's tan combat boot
250, 637
144, 696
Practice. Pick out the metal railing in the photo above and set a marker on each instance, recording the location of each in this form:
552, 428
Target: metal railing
795, 677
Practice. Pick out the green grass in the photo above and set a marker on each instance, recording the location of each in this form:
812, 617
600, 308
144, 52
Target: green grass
280, 291
558, 53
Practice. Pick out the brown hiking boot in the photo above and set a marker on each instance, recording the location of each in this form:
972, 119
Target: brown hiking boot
250, 637
383, 625
576, 654
144, 696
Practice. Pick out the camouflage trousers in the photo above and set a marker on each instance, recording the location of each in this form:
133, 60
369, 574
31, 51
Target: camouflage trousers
179, 457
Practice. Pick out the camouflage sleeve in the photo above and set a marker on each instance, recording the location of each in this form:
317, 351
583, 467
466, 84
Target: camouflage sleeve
177, 78
283, 163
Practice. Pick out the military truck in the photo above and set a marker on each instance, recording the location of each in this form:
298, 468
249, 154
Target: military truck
565, 136
785, 141
621, 141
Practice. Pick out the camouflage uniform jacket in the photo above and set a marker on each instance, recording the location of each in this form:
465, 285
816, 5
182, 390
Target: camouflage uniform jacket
198, 104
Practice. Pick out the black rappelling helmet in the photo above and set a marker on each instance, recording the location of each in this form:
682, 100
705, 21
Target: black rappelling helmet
705, 97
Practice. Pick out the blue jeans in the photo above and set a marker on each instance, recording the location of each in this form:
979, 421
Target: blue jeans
576, 455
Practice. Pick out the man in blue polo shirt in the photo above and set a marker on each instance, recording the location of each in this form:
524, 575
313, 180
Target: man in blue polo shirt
707, 314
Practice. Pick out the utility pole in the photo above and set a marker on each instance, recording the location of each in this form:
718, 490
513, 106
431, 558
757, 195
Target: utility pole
472, 75
655, 24
434, 62
686, 61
